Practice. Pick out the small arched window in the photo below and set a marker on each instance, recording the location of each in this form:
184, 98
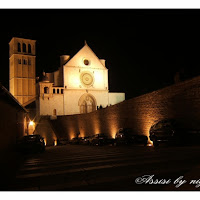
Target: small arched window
54, 91
57, 91
29, 61
29, 48
19, 47
24, 62
24, 47
54, 112
46, 90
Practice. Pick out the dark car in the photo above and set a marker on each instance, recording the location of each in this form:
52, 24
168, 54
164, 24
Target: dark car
172, 132
62, 141
75, 140
90, 139
101, 139
85, 140
128, 136
31, 143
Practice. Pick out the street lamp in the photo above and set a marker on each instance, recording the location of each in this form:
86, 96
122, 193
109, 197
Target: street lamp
31, 123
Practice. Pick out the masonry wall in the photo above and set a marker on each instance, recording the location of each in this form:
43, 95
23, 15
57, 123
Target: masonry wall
180, 101
45, 129
11, 128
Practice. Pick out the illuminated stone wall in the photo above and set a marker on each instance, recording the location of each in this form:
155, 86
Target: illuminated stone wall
45, 129
22, 69
180, 101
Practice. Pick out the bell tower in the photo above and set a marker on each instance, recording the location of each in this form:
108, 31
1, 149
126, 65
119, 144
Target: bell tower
22, 69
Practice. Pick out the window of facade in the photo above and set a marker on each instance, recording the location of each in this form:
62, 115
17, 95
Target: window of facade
61, 91
19, 61
54, 112
19, 47
29, 48
57, 91
87, 105
29, 61
24, 62
24, 47
83, 108
46, 90
86, 62
54, 91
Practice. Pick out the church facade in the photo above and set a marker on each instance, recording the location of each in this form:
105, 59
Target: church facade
80, 85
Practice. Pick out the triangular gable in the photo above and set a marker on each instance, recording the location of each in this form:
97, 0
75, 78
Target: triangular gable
85, 53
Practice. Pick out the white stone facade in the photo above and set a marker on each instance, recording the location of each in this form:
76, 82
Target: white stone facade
80, 85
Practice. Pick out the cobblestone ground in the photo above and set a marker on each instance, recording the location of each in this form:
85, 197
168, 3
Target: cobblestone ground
106, 168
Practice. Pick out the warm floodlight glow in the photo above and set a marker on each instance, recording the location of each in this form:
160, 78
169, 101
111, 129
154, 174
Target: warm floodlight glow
31, 123
45, 142
150, 144
55, 142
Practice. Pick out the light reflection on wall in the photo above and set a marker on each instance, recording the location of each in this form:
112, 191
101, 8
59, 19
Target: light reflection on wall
74, 80
113, 126
31, 127
96, 124
139, 113
45, 141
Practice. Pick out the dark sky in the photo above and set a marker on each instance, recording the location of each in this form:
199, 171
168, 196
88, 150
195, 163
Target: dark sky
143, 49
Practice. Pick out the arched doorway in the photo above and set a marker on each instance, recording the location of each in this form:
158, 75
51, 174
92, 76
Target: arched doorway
54, 112
87, 103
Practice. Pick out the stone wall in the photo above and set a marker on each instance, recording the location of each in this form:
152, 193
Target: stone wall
11, 128
180, 101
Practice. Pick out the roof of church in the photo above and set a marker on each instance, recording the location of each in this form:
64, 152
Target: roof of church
91, 53
6, 96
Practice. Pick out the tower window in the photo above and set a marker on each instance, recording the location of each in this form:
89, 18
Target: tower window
54, 91
29, 48
57, 91
19, 61
24, 47
61, 91
19, 47
29, 61
24, 62
46, 90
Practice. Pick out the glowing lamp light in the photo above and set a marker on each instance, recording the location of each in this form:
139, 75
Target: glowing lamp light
55, 142
31, 123
45, 142
150, 144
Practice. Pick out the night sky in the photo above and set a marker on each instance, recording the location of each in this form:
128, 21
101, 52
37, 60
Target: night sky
143, 49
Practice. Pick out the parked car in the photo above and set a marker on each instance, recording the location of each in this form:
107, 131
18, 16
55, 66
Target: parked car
128, 136
85, 140
101, 139
62, 141
90, 139
31, 144
75, 140
172, 132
